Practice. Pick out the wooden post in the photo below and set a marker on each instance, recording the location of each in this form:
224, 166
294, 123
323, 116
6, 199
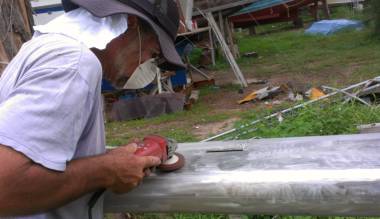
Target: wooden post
252, 30
326, 9
315, 10
230, 38
212, 47
221, 24
16, 23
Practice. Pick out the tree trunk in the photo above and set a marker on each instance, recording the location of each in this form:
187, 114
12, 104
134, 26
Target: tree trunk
16, 23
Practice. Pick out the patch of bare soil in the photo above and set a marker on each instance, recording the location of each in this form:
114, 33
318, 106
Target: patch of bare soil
203, 131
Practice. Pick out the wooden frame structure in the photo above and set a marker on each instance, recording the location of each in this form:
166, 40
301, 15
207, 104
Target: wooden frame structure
16, 24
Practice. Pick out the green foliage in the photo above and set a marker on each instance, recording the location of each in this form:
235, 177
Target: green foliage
325, 119
347, 12
195, 56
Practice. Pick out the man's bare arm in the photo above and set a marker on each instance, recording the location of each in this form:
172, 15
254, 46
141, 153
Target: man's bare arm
28, 188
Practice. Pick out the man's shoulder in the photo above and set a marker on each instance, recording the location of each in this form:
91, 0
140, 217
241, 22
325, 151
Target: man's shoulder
57, 50
62, 52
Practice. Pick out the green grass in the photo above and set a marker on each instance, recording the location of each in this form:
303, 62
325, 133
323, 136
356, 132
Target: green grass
296, 53
321, 119
177, 125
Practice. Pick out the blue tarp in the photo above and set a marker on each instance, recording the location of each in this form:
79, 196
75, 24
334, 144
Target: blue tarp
328, 27
259, 5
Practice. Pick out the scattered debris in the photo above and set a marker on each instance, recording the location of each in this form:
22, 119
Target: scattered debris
206, 57
295, 97
315, 93
251, 81
369, 128
273, 103
280, 118
199, 84
297, 87
194, 96
266, 92
251, 55
147, 106
362, 86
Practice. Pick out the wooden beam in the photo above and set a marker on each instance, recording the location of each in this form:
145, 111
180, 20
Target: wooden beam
225, 6
221, 24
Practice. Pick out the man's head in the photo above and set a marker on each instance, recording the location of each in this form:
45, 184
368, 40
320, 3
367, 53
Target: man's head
157, 22
125, 53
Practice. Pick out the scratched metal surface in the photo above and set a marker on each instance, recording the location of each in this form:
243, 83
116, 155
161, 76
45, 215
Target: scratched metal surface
333, 175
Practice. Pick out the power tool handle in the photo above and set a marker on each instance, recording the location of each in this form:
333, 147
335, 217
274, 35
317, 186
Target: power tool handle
150, 147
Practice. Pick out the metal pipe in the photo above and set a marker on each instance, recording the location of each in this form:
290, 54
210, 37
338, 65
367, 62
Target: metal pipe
331, 175
347, 94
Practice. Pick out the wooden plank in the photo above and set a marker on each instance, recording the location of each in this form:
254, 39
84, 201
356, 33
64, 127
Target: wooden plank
195, 31
370, 128
219, 6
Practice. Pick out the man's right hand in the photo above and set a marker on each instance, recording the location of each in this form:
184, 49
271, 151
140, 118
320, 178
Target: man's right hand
22, 180
127, 169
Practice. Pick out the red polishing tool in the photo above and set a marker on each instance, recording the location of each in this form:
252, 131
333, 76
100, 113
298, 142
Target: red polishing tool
163, 148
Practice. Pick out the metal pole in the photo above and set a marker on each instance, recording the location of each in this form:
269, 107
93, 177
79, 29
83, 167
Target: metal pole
331, 175
348, 94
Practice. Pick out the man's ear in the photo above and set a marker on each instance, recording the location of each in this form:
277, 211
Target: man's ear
133, 21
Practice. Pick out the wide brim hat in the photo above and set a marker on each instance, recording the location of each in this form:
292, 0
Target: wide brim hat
162, 16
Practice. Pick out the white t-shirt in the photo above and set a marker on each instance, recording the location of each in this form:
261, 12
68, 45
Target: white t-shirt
51, 109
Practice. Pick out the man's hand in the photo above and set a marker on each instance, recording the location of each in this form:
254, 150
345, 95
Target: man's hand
29, 188
128, 169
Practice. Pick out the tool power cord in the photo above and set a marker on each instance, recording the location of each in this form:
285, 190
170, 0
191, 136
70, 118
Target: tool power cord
94, 199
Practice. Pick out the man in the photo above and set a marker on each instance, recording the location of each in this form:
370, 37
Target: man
52, 148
